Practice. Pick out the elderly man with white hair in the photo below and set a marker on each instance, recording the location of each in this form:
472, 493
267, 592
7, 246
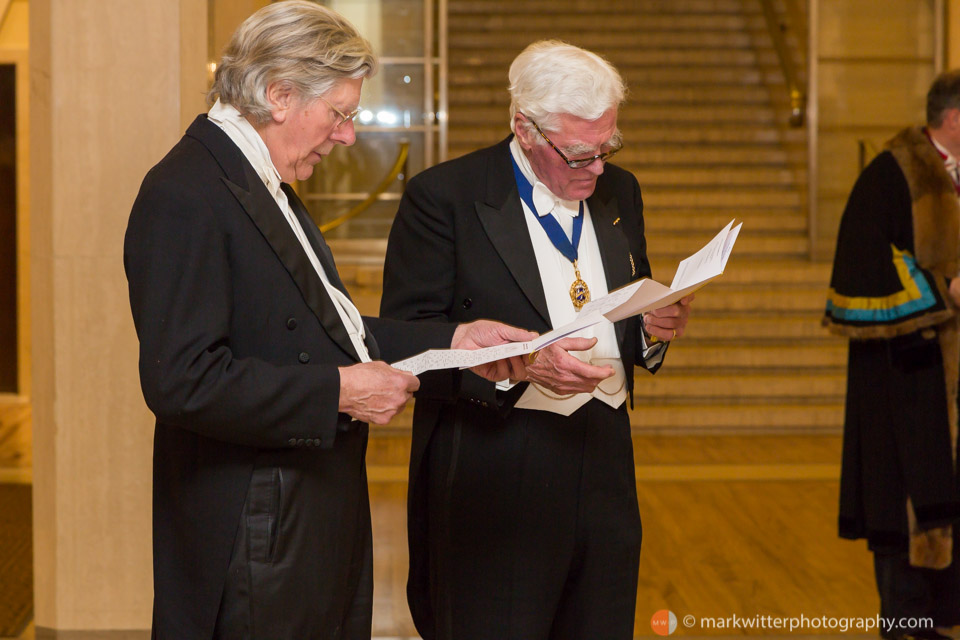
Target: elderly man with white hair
523, 515
260, 370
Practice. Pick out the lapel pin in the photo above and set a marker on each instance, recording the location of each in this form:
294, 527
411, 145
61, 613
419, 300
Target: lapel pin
616, 221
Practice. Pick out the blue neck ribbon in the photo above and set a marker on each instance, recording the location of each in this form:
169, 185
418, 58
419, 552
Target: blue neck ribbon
548, 222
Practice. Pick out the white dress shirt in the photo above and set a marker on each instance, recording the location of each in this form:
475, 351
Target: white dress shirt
242, 133
557, 274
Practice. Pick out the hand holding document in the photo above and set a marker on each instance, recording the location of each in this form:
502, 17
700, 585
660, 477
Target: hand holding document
638, 297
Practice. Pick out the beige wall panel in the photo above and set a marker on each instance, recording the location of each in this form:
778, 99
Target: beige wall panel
106, 83
858, 94
838, 156
104, 439
953, 34
876, 28
193, 60
14, 29
45, 518
227, 16
105, 140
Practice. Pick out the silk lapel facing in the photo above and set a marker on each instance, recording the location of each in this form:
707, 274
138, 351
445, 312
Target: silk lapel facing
613, 245
325, 255
508, 233
266, 215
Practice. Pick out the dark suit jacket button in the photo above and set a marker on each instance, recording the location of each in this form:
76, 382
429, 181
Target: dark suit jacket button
467, 303
301, 442
291, 323
304, 357
292, 442
316, 442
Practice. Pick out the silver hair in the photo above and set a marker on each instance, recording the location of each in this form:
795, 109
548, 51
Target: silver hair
551, 77
301, 43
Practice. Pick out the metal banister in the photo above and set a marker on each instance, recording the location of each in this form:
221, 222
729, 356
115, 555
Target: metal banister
776, 28
398, 166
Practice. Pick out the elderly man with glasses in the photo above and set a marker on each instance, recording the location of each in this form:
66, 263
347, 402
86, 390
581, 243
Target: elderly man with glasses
523, 516
260, 370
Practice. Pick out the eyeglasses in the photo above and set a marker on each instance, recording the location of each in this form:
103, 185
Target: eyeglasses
581, 162
344, 117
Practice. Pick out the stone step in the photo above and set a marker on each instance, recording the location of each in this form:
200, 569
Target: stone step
657, 197
681, 245
756, 272
812, 416
684, 416
758, 326
366, 271
665, 95
722, 386
720, 354
689, 155
463, 134
614, 44
789, 220
498, 49
647, 31
641, 76
719, 176
637, 115
548, 8
718, 296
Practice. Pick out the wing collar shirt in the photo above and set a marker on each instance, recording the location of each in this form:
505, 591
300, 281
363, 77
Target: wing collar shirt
556, 274
242, 133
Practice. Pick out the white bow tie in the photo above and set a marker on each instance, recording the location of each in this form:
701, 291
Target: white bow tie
545, 202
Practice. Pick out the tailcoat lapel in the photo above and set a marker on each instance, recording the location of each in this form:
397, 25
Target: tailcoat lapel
325, 255
507, 230
262, 209
614, 247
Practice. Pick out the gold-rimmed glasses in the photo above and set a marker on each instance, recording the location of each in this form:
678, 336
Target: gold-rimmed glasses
344, 117
579, 163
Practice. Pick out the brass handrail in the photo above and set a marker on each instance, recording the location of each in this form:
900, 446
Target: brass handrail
398, 166
797, 95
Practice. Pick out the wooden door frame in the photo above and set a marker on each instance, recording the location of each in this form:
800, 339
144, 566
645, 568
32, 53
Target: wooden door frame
19, 58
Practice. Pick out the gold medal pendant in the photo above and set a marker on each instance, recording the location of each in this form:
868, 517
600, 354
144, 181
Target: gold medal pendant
579, 291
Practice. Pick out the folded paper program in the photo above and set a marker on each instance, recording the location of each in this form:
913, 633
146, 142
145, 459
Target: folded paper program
633, 299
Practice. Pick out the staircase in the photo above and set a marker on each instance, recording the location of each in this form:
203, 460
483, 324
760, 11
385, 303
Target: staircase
706, 134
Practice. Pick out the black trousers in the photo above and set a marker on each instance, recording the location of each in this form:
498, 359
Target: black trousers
302, 563
534, 526
910, 592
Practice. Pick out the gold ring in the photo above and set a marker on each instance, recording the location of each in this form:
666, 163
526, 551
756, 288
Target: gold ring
674, 334
533, 356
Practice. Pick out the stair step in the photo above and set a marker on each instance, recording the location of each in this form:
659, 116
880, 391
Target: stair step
812, 416
680, 32
762, 220
731, 326
664, 95
774, 273
689, 155
659, 197
721, 176
742, 271
743, 298
637, 115
724, 386
684, 416
464, 134
498, 49
617, 7
639, 76
721, 354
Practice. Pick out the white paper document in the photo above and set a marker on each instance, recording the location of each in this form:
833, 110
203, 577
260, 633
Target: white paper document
638, 297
